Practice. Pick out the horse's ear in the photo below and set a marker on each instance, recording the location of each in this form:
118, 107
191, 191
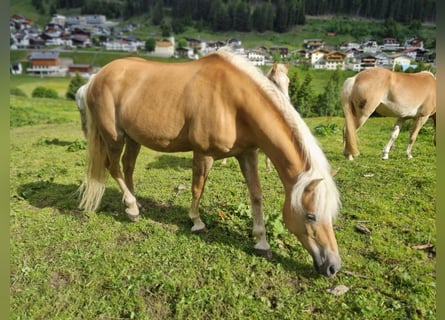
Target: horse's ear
311, 186
287, 66
275, 66
334, 171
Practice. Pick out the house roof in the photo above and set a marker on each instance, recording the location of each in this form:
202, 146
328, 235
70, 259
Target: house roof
44, 55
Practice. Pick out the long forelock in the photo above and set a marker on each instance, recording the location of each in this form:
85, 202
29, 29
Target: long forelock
326, 197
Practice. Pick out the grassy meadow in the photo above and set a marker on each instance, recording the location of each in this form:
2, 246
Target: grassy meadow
68, 265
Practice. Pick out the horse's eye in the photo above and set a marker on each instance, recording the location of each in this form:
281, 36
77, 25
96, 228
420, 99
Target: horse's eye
311, 217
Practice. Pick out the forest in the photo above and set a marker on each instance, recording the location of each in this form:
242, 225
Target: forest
246, 15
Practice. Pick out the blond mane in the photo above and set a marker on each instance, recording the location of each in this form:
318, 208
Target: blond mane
326, 200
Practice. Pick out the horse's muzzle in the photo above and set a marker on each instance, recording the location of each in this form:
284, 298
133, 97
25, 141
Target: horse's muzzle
329, 267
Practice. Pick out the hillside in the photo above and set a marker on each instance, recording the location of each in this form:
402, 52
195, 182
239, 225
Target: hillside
276, 22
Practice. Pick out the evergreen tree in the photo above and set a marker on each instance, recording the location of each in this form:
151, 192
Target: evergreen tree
258, 19
281, 17
74, 85
328, 103
294, 84
306, 97
157, 13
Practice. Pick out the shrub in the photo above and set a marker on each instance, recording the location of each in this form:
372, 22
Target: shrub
17, 92
42, 92
74, 85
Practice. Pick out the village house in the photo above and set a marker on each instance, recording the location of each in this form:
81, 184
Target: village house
413, 43
257, 57
390, 44
370, 46
350, 45
383, 60
283, 52
164, 48
335, 60
313, 44
85, 70
45, 63
317, 58
402, 61
212, 46
367, 62
185, 52
197, 45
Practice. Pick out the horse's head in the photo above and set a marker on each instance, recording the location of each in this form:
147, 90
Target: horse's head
309, 216
278, 75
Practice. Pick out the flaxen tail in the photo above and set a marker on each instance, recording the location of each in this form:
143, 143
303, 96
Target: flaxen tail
349, 131
93, 186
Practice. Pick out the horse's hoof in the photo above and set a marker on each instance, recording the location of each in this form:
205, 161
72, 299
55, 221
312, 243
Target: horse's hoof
132, 214
200, 231
264, 253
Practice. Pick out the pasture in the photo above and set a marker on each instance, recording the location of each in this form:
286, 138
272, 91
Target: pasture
68, 265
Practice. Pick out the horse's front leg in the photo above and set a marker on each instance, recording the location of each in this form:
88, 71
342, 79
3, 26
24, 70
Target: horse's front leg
201, 168
249, 167
394, 134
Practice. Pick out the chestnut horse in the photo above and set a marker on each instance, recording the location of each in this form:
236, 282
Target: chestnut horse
278, 75
217, 106
392, 94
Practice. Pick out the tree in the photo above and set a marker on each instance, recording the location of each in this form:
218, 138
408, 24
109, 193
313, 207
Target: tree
74, 85
157, 13
166, 29
305, 97
328, 103
281, 17
294, 84
150, 45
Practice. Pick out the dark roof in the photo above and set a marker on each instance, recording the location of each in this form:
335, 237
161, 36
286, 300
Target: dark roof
44, 55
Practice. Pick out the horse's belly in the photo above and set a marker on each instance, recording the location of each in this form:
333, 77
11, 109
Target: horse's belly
390, 109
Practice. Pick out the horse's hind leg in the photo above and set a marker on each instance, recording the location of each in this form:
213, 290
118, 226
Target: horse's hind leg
132, 149
418, 124
249, 167
394, 134
114, 153
201, 168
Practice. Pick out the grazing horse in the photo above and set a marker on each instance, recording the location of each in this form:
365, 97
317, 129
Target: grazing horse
278, 75
82, 104
217, 106
392, 94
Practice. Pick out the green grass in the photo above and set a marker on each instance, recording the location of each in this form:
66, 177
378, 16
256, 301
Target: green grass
67, 265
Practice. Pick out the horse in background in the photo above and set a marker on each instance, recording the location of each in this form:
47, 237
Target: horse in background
217, 106
391, 94
278, 74
82, 104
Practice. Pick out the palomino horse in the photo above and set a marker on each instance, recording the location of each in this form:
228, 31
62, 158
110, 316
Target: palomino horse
217, 106
278, 75
393, 94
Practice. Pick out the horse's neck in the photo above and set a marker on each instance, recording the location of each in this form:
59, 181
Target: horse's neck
279, 144
288, 162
